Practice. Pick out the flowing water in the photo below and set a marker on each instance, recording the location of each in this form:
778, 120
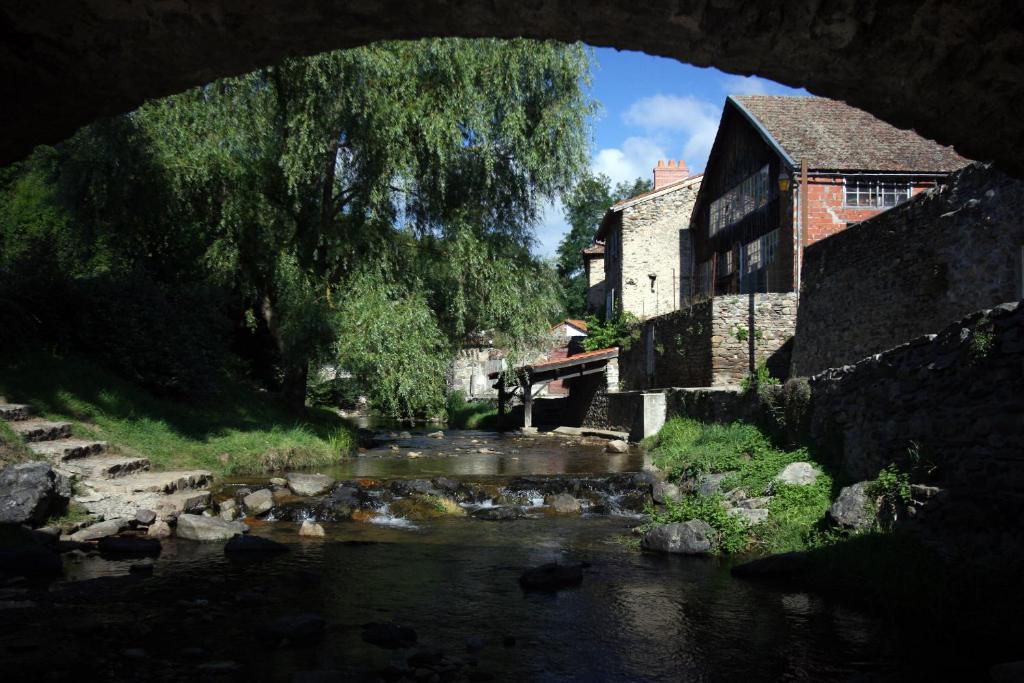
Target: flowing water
634, 617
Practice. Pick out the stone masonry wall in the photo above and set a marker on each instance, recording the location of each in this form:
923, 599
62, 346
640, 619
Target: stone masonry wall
747, 329
827, 213
652, 232
911, 270
709, 343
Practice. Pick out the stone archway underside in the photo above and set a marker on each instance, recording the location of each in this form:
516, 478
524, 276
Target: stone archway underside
951, 69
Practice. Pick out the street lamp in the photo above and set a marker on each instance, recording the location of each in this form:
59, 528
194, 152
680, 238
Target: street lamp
784, 181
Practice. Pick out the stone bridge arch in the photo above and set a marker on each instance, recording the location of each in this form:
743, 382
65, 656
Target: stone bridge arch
953, 70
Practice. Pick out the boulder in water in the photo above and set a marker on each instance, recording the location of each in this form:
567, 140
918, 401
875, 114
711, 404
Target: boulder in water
108, 527
684, 538
303, 484
200, 528
159, 529
436, 435
311, 528
563, 504
259, 502
552, 577
617, 446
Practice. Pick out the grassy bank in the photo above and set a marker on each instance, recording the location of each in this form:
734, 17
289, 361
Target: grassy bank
686, 449
241, 430
463, 414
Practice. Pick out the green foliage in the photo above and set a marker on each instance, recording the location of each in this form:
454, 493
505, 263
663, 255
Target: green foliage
333, 392
742, 334
623, 330
892, 484
470, 414
730, 530
12, 447
788, 408
240, 431
795, 517
759, 379
982, 343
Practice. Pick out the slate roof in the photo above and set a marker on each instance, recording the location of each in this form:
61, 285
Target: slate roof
833, 135
594, 250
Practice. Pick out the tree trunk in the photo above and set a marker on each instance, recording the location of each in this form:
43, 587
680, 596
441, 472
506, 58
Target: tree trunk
293, 383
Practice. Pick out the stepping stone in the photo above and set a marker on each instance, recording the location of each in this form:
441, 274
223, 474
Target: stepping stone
106, 466
14, 411
35, 429
68, 449
156, 482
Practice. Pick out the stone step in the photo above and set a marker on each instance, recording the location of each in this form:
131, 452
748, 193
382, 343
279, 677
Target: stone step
105, 466
15, 411
67, 449
35, 429
126, 505
153, 482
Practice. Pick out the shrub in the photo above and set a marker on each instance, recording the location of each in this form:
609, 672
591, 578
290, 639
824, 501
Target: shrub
623, 330
470, 414
730, 530
892, 484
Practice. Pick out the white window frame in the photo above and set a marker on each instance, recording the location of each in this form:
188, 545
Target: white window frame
876, 191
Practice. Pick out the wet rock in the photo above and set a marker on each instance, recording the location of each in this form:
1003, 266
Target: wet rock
563, 504
389, 635
414, 454
145, 517
552, 577
663, 491
159, 529
31, 561
500, 514
798, 474
311, 528
419, 508
710, 484
617, 446
109, 527
404, 435
278, 481
199, 528
773, 566
295, 629
309, 484
436, 435
244, 543
407, 487
134, 546
30, 492
259, 502
853, 509
751, 516
685, 538
339, 504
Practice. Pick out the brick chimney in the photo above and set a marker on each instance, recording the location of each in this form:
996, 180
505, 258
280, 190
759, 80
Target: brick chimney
668, 172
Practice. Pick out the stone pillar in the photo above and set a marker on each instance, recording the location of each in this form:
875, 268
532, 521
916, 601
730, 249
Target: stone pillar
611, 375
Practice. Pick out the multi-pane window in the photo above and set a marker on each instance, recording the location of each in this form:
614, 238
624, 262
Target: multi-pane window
756, 256
876, 192
725, 263
750, 195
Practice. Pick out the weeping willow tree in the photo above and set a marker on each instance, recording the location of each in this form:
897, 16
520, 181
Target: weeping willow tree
375, 205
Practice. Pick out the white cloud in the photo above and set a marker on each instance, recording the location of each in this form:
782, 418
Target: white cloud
670, 113
633, 159
746, 85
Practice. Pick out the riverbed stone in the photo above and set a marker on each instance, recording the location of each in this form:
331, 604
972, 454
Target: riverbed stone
617, 446
145, 517
311, 528
278, 481
199, 528
798, 474
436, 435
303, 484
108, 527
685, 538
30, 492
159, 529
552, 576
259, 502
563, 504
853, 508
662, 491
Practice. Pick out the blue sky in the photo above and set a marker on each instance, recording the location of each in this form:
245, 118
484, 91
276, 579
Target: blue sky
653, 108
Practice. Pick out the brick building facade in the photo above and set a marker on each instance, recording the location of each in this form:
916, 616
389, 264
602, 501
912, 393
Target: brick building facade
647, 246
785, 172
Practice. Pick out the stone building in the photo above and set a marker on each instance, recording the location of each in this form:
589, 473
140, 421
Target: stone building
785, 172
647, 245
593, 267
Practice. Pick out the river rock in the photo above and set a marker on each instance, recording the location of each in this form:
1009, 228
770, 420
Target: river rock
389, 635
109, 527
617, 446
552, 577
228, 510
710, 484
406, 487
751, 516
30, 492
436, 435
145, 517
798, 474
662, 491
159, 529
563, 504
685, 538
404, 435
309, 484
311, 528
243, 543
853, 509
259, 502
278, 481
503, 513
134, 546
199, 528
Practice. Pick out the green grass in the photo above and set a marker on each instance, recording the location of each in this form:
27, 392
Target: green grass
687, 448
463, 414
12, 447
239, 431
